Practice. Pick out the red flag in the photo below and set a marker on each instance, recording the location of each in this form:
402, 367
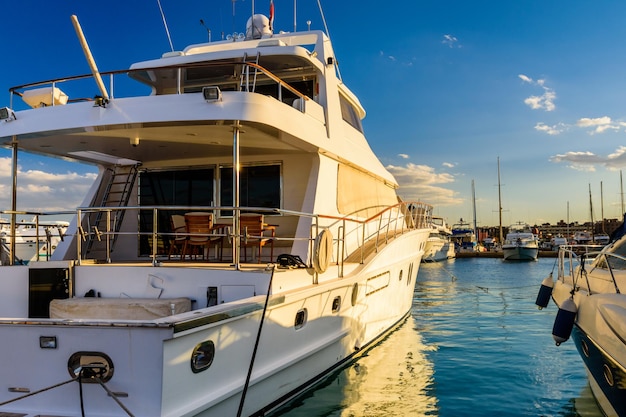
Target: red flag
271, 15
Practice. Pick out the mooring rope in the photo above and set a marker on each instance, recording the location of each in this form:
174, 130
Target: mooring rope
256, 345
30, 394
80, 384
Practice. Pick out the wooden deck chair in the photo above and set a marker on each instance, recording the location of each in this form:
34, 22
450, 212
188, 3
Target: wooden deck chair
256, 234
200, 233
179, 229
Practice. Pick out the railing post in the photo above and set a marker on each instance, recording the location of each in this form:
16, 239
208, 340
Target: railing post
108, 237
155, 225
37, 234
79, 236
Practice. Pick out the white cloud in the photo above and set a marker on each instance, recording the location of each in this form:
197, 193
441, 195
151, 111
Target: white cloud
588, 161
550, 130
40, 190
600, 124
448, 165
451, 41
423, 183
403, 156
544, 101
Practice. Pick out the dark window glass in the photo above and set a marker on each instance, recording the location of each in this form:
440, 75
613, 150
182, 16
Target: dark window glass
171, 188
260, 187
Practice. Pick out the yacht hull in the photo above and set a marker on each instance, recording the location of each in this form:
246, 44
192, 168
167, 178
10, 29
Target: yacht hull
599, 334
152, 358
520, 253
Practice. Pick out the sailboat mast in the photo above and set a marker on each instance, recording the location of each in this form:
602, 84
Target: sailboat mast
621, 185
499, 201
602, 207
474, 210
591, 213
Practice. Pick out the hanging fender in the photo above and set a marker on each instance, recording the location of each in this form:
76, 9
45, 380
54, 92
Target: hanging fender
564, 321
543, 297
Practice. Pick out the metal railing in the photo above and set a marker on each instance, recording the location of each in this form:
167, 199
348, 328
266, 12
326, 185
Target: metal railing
580, 261
247, 83
350, 233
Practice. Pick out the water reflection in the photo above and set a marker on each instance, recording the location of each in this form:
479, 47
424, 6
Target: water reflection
475, 345
394, 378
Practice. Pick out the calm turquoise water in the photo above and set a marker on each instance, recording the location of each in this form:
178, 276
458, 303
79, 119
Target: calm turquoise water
474, 345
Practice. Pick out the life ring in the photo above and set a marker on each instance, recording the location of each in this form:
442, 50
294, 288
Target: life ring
322, 251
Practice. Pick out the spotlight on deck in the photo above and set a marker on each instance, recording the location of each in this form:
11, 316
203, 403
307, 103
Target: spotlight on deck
212, 93
7, 114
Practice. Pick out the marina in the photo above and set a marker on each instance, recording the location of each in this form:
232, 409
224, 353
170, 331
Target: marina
475, 345
239, 240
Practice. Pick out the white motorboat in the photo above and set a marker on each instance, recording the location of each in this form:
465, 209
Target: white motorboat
590, 295
34, 240
439, 246
520, 243
153, 308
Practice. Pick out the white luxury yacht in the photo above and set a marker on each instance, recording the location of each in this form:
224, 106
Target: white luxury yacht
241, 240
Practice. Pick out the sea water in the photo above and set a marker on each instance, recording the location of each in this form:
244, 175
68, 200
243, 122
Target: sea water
475, 344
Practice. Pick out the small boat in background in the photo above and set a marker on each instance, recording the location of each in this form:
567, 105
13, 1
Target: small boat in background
34, 240
463, 237
520, 244
439, 246
590, 293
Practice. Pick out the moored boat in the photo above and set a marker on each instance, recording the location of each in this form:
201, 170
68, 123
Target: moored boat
34, 240
439, 245
290, 254
463, 237
592, 310
520, 244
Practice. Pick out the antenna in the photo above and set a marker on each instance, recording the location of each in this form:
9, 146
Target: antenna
208, 31
319, 5
165, 24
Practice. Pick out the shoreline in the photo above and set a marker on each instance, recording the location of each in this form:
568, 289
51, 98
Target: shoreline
490, 254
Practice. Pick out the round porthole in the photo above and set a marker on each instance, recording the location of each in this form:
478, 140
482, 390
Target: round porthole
584, 347
608, 375
355, 294
400, 275
202, 356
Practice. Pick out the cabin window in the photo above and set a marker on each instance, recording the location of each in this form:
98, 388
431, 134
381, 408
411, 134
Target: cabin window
260, 186
349, 114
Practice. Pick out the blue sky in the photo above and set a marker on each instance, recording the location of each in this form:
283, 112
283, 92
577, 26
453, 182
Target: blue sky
449, 87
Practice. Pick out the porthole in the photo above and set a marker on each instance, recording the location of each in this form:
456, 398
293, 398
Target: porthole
355, 294
301, 317
410, 277
336, 304
400, 275
584, 347
608, 375
202, 356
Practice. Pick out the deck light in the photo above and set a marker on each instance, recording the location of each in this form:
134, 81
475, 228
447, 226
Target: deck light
7, 114
212, 93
